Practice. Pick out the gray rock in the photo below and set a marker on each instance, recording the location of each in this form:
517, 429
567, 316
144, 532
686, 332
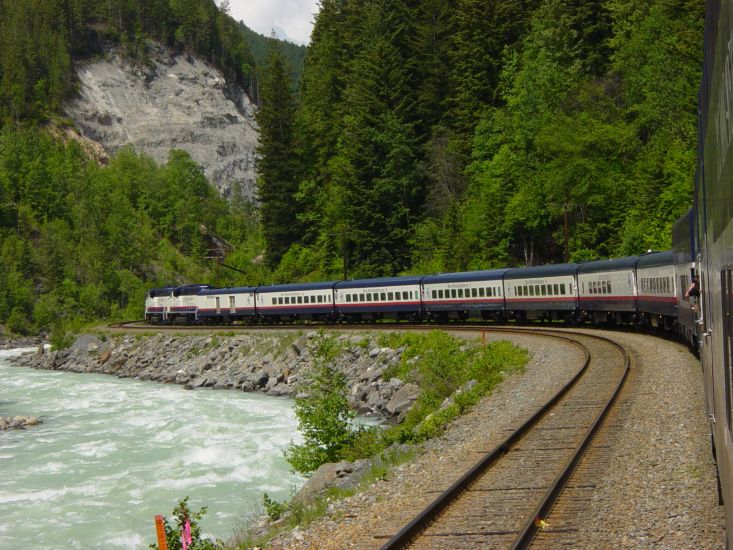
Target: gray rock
403, 399
328, 475
178, 103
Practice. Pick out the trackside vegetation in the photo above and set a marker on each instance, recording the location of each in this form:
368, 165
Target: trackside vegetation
452, 373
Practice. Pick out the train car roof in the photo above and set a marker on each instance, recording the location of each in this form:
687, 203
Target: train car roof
612, 264
295, 287
654, 259
465, 276
383, 281
229, 290
552, 270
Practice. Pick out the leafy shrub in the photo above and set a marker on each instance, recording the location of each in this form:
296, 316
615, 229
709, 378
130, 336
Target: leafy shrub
173, 532
18, 322
273, 508
324, 415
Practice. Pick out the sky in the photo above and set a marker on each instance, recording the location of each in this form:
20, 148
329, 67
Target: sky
291, 19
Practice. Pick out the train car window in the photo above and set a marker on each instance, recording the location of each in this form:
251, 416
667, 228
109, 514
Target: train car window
531, 290
500, 291
273, 301
440, 293
562, 289
518, 291
390, 296
726, 279
382, 297
287, 300
452, 292
543, 290
555, 289
482, 292
474, 292
320, 298
609, 287
604, 287
460, 293
406, 295
300, 299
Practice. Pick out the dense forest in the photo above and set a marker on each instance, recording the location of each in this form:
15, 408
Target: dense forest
421, 136
433, 136
79, 241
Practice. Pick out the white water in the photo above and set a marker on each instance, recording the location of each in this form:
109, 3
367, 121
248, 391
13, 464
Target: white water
112, 453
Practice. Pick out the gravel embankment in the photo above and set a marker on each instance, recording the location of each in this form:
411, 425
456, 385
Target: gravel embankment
659, 492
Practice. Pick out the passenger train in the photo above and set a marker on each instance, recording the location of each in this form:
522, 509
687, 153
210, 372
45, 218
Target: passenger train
649, 289
640, 289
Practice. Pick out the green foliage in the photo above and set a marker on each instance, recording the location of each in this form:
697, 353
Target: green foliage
273, 508
324, 416
438, 137
81, 242
173, 530
259, 45
444, 366
277, 170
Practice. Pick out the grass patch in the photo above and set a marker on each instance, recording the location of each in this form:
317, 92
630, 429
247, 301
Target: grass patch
446, 368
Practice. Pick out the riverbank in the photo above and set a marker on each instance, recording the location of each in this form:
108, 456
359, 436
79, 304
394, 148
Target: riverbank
270, 364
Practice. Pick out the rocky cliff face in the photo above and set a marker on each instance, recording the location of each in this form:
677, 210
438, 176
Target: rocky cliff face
178, 102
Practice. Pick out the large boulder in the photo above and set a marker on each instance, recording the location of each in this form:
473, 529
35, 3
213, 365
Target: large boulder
403, 399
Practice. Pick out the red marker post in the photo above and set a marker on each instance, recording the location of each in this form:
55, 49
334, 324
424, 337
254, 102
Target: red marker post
160, 531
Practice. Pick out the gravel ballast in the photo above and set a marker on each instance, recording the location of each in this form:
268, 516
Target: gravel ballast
660, 488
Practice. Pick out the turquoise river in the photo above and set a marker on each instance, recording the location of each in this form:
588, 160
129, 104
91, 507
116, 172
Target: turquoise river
112, 453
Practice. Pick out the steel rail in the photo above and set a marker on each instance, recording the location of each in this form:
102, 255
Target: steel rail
532, 525
422, 520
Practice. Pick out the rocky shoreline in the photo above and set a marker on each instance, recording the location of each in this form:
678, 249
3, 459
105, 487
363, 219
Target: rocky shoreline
268, 364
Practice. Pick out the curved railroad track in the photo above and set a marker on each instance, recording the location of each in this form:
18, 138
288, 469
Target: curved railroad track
507, 497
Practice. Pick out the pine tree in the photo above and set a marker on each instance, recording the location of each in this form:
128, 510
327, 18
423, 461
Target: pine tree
377, 162
277, 166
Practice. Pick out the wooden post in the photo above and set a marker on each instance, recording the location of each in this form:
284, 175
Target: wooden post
160, 531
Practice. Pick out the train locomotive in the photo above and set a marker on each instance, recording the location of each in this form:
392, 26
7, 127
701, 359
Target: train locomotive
687, 290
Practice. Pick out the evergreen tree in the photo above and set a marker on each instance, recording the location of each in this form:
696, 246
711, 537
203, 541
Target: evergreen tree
320, 115
277, 166
377, 162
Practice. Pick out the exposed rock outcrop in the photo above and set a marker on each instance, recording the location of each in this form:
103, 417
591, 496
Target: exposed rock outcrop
178, 102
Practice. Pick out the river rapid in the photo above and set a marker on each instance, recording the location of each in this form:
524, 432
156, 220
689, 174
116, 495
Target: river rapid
112, 453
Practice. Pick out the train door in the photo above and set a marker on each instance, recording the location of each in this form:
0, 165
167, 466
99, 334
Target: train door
218, 306
232, 306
